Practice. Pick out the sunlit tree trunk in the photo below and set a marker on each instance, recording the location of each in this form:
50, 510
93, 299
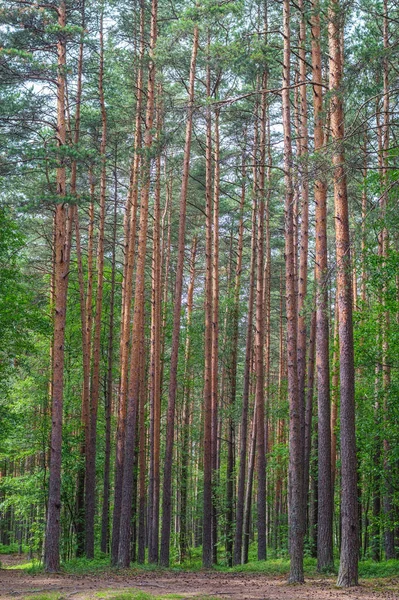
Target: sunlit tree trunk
90, 481
207, 553
127, 287
348, 570
233, 371
138, 315
259, 339
325, 505
170, 424
155, 368
80, 512
142, 463
296, 446
303, 149
187, 413
215, 332
249, 489
241, 494
388, 504
61, 269
109, 380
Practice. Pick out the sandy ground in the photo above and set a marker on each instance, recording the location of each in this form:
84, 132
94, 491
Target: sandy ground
203, 584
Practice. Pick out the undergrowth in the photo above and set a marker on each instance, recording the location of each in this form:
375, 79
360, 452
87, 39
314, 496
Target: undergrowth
274, 566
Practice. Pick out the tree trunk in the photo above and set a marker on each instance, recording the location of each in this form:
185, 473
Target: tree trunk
108, 389
127, 287
233, 373
259, 340
389, 533
90, 491
309, 406
325, 558
138, 315
185, 454
296, 496
348, 570
207, 553
238, 541
215, 333
170, 424
304, 233
155, 369
142, 464
61, 269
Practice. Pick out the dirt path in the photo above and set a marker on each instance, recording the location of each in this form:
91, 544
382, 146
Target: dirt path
16, 584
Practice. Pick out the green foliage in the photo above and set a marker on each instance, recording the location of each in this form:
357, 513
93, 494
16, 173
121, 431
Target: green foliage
47, 596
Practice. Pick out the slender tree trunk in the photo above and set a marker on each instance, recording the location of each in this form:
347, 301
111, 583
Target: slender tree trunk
296, 496
127, 288
138, 315
90, 491
334, 399
80, 512
207, 553
248, 491
170, 424
389, 533
187, 412
259, 341
108, 390
238, 541
309, 405
325, 558
233, 372
215, 333
142, 463
348, 570
80, 528
61, 269
155, 370
303, 149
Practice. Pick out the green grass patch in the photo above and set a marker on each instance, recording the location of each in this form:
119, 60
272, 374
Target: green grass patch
12, 549
272, 567
30, 566
47, 596
369, 569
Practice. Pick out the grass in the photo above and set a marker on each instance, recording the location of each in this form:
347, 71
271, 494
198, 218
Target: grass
47, 596
12, 549
368, 569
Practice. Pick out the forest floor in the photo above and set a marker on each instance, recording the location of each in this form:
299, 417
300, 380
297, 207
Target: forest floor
173, 585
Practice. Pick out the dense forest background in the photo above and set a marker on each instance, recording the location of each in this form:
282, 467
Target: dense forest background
199, 281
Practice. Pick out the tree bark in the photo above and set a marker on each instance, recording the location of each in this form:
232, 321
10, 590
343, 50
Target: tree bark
138, 315
296, 446
185, 454
108, 389
238, 541
90, 481
207, 553
127, 288
348, 570
259, 339
61, 269
170, 423
325, 559
155, 369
